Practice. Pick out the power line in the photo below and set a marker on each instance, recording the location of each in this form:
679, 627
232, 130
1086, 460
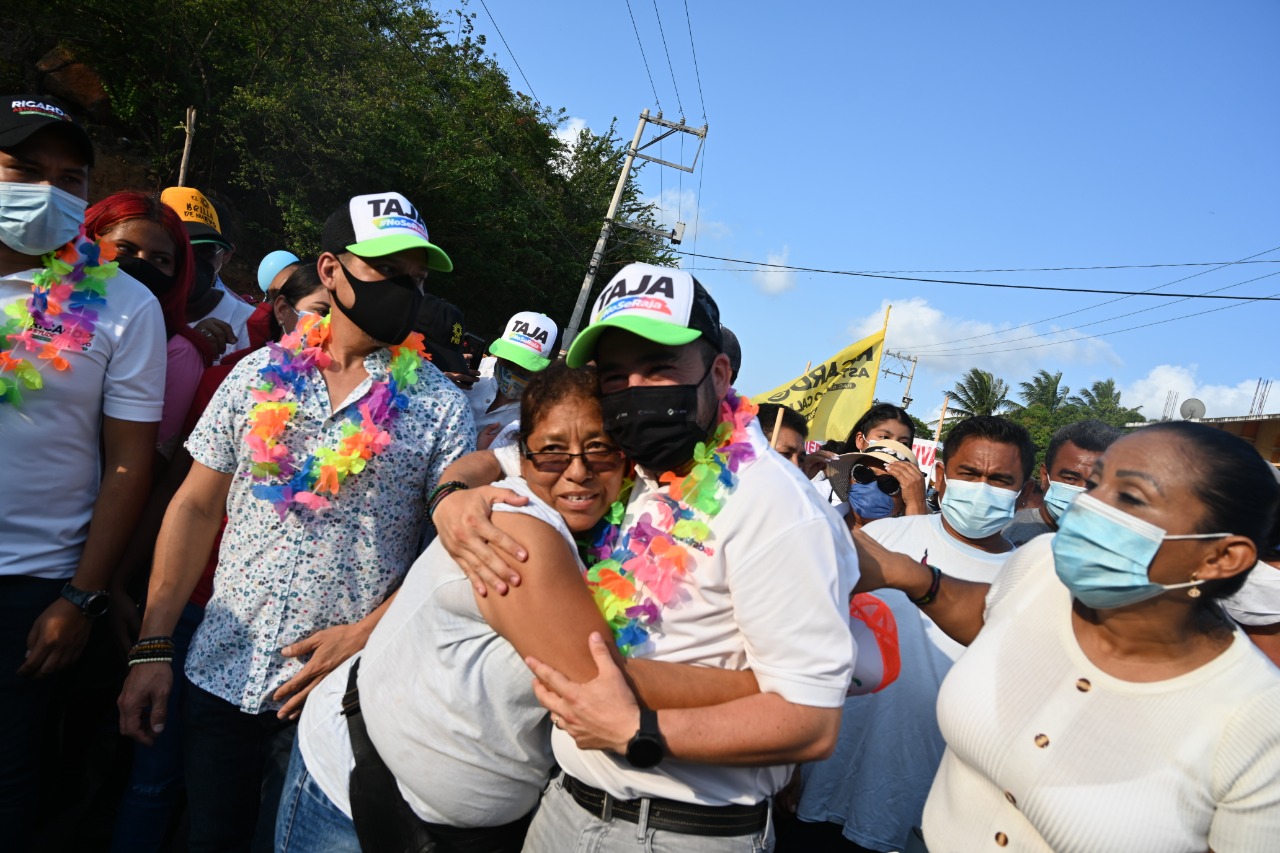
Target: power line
512, 53
696, 73
644, 58
979, 283
1273, 297
1245, 259
1032, 269
979, 348
670, 67
697, 201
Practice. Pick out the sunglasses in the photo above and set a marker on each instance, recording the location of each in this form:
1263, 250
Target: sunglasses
558, 461
864, 474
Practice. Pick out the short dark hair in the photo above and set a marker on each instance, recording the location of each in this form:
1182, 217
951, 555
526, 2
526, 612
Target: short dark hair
549, 387
1091, 435
879, 413
791, 419
301, 283
1236, 486
992, 428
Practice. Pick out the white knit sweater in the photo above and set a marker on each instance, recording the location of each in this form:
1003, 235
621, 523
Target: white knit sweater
1045, 752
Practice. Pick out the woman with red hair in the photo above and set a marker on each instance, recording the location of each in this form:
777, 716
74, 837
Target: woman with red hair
151, 245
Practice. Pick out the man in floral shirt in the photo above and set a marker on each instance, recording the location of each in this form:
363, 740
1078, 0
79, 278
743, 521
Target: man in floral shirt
322, 451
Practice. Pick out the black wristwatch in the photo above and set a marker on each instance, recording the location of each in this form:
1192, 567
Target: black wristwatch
645, 748
91, 604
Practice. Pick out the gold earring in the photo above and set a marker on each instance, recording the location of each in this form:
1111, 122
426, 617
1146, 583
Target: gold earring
1193, 592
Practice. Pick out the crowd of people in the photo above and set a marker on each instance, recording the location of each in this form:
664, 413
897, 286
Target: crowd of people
343, 585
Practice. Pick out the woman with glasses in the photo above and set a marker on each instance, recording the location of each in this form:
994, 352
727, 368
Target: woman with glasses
442, 736
1105, 702
897, 485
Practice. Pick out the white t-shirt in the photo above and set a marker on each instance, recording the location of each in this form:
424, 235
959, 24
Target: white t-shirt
235, 312
923, 535
889, 747
1258, 601
772, 598
1053, 754
52, 464
447, 701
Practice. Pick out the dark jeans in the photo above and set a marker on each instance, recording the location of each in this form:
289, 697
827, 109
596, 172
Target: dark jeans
149, 808
235, 769
24, 706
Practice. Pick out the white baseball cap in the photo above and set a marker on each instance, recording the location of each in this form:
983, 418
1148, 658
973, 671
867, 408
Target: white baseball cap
380, 224
528, 340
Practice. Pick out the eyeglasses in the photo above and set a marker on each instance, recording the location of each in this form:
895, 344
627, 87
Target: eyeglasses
865, 474
597, 459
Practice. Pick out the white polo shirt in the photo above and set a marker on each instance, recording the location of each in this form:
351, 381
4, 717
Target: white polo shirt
52, 463
772, 598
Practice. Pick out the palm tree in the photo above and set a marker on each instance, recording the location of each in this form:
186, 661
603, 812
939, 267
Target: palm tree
979, 393
1098, 398
1044, 389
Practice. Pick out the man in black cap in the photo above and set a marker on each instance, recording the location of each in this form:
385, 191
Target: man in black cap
82, 365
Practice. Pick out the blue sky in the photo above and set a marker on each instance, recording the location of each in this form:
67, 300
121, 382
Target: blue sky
954, 136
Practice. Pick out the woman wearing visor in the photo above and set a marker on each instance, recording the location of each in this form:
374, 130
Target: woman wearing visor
1105, 702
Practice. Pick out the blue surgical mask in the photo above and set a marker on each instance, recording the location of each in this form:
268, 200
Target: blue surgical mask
510, 383
977, 510
1059, 497
1102, 554
869, 501
38, 218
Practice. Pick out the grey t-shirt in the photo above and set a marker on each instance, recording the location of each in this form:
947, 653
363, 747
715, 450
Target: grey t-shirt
1027, 524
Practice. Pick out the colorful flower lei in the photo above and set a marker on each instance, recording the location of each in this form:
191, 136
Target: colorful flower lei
67, 292
365, 435
656, 551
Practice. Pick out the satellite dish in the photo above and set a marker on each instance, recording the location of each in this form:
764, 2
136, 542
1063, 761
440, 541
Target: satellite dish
1191, 409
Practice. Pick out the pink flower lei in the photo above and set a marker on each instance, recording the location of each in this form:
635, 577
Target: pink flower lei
66, 295
282, 480
656, 549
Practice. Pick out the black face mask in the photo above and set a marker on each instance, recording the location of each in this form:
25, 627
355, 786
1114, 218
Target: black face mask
147, 273
656, 425
383, 309
203, 281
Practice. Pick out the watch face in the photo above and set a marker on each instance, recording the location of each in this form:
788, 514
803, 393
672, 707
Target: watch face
97, 605
644, 752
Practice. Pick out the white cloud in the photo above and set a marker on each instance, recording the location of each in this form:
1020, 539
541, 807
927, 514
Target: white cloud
1221, 401
681, 205
568, 134
954, 344
774, 281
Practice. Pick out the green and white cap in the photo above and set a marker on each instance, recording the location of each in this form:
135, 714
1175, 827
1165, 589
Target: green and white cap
380, 224
661, 304
529, 341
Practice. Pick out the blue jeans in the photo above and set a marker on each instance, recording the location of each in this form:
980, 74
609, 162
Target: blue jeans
308, 821
235, 765
148, 809
24, 706
560, 825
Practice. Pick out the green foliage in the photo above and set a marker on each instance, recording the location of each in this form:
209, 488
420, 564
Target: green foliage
923, 430
978, 393
1045, 389
303, 103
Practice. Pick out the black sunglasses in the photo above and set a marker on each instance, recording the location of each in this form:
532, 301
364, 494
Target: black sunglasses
864, 474
558, 461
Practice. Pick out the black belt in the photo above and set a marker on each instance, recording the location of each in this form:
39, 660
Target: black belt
672, 815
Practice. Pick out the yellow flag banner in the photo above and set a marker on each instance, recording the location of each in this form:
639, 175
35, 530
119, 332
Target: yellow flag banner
835, 392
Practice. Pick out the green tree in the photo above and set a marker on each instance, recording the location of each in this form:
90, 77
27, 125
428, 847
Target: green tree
978, 393
923, 430
1045, 389
1101, 401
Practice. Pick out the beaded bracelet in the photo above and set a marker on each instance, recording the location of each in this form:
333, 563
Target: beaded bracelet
152, 650
928, 597
442, 491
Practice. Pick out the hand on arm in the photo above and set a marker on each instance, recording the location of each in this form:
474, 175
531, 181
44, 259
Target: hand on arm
484, 553
58, 636
957, 607
328, 649
182, 550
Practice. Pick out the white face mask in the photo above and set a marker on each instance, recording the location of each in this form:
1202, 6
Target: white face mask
977, 510
38, 218
1059, 496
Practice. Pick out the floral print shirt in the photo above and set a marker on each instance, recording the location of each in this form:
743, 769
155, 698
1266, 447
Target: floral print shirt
280, 580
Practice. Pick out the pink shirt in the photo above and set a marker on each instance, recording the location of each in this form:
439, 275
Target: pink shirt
183, 368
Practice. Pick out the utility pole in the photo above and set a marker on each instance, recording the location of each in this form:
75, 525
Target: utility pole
902, 359
675, 235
